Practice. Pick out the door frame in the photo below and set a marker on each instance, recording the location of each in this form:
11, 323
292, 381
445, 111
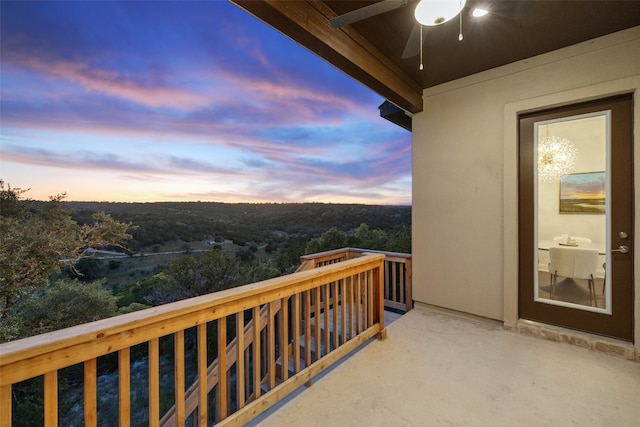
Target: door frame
618, 323
511, 111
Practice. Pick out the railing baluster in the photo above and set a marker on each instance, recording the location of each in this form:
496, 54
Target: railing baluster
358, 305
370, 321
394, 281
124, 390
271, 344
343, 311
257, 376
365, 305
296, 333
350, 305
5, 406
365, 300
222, 394
317, 314
402, 281
240, 389
154, 382
307, 328
327, 324
387, 282
179, 376
377, 288
51, 399
284, 337
203, 389
90, 393
336, 311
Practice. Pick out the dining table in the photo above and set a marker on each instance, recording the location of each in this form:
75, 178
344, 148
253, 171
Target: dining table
544, 245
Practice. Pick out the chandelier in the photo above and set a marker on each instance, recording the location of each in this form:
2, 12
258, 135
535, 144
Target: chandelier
556, 157
436, 12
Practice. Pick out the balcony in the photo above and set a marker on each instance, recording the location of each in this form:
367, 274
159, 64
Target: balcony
232, 354
441, 368
243, 357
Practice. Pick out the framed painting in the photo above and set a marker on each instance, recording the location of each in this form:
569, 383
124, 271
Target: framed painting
583, 193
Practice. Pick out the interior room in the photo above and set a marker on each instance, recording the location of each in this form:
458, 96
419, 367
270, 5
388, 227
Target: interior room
571, 204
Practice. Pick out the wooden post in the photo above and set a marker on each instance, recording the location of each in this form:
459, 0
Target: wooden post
408, 293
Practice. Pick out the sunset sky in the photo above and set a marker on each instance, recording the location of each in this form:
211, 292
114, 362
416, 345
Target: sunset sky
583, 186
172, 101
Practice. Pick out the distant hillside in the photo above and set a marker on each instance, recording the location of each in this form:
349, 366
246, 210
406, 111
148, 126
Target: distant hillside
241, 222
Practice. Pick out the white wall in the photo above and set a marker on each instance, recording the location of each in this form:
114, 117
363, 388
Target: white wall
465, 168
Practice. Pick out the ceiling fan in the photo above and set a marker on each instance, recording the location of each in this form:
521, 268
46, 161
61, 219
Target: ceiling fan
431, 13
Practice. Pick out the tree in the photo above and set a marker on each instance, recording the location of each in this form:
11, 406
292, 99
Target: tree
245, 255
63, 304
366, 238
36, 238
86, 270
193, 275
257, 271
329, 240
396, 240
400, 239
287, 260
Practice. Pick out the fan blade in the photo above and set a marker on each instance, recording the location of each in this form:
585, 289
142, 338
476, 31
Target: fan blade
412, 48
367, 12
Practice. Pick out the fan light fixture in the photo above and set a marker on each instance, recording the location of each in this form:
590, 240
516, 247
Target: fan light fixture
436, 12
556, 157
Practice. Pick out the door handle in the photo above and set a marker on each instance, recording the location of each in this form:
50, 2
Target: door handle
622, 249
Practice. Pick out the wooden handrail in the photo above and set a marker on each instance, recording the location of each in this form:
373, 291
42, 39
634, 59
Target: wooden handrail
351, 290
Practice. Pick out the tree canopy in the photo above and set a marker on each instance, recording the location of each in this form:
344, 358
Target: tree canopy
37, 238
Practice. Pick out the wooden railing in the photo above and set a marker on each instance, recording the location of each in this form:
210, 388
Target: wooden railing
397, 272
267, 339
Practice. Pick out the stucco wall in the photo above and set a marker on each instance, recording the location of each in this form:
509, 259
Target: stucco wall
465, 168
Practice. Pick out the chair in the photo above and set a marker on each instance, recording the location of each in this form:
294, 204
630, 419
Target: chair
575, 263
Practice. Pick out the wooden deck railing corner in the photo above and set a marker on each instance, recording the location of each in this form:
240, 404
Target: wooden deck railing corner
267, 339
398, 285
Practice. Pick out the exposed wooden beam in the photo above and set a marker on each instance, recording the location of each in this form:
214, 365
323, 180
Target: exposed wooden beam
307, 22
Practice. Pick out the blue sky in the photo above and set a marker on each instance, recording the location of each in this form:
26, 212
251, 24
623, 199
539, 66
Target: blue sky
173, 101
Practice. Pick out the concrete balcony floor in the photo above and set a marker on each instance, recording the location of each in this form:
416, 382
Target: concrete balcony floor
437, 368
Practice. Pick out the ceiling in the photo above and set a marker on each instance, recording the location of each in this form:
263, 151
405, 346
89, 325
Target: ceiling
371, 50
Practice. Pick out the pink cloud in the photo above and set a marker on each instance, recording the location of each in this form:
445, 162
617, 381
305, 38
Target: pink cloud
302, 101
112, 83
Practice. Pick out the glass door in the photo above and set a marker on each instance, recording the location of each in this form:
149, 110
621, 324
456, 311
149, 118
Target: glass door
571, 204
576, 217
